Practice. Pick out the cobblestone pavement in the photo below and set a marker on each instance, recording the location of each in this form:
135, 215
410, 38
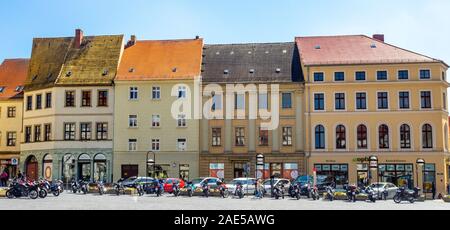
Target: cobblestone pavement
70, 201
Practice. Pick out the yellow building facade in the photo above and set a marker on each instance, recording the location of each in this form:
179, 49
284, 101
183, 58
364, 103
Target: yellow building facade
366, 98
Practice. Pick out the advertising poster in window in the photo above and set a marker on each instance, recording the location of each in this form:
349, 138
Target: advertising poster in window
290, 171
217, 170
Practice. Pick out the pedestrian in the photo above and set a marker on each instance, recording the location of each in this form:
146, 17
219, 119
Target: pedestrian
19, 175
433, 189
3, 179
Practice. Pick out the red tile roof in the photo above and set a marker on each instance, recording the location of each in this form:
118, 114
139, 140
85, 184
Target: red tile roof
161, 60
353, 49
13, 73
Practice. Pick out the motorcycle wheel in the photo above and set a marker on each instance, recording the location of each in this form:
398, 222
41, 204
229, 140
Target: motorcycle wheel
56, 193
190, 193
298, 196
9, 194
33, 194
74, 190
411, 200
84, 191
397, 199
118, 192
43, 193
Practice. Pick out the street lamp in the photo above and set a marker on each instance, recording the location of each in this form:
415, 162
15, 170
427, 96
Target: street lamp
373, 164
259, 163
420, 163
151, 161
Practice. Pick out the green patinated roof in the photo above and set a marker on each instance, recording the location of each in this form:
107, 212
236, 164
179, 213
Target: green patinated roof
94, 63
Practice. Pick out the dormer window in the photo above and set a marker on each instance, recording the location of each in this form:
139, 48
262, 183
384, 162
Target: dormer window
131, 70
317, 47
252, 71
277, 70
373, 46
174, 70
34, 78
2, 88
69, 73
226, 71
284, 51
19, 88
105, 72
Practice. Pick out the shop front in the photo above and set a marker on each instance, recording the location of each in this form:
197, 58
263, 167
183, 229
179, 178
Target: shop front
9, 165
401, 170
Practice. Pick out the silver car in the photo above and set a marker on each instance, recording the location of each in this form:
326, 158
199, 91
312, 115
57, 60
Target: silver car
383, 187
248, 185
277, 181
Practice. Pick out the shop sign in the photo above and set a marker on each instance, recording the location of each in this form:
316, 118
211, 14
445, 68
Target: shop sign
330, 161
373, 164
361, 159
14, 161
395, 161
5, 162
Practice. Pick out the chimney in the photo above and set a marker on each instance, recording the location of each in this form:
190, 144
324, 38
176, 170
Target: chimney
379, 37
197, 37
131, 42
78, 38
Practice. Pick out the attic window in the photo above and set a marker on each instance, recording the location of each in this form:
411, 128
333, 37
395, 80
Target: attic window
252, 71
69, 73
317, 47
278, 70
2, 88
131, 70
217, 53
34, 78
105, 72
249, 52
19, 88
174, 70
232, 52
284, 51
267, 52
226, 71
373, 46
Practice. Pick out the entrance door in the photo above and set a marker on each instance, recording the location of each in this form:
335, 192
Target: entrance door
32, 168
239, 170
129, 171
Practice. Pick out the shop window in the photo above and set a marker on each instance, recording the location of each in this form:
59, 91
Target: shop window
217, 170
429, 178
184, 172
276, 170
100, 167
68, 168
399, 174
337, 173
290, 171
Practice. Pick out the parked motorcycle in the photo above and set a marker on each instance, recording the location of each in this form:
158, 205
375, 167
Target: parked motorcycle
119, 188
175, 189
278, 191
329, 193
371, 194
190, 189
314, 193
20, 189
351, 193
404, 194
224, 193
101, 188
79, 186
294, 191
139, 189
239, 191
54, 187
205, 190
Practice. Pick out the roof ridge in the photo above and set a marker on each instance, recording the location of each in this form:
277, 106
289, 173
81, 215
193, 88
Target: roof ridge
170, 40
251, 43
330, 36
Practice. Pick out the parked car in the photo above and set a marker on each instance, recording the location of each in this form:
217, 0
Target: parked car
212, 182
384, 188
248, 185
133, 181
168, 184
276, 181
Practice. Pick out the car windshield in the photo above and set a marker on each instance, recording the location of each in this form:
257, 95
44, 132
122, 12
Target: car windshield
377, 185
131, 179
234, 182
197, 181
267, 182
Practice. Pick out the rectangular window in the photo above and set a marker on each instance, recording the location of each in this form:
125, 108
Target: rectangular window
383, 100
403, 74
263, 137
155, 145
156, 93
37, 133
182, 92
382, 75
156, 121
181, 144
216, 137
361, 101
339, 76
48, 100
181, 120
39, 101
239, 136
102, 98
132, 121
11, 138
29, 103
403, 100
318, 77
132, 145
133, 93
102, 131
319, 101
286, 100
287, 136
339, 101
425, 74
70, 99
86, 98
239, 101
69, 131
47, 132
11, 112
85, 131
28, 134
263, 101
425, 98
216, 102
360, 75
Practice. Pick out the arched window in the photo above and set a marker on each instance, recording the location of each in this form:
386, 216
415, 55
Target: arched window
405, 136
341, 142
427, 136
320, 137
383, 136
362, 137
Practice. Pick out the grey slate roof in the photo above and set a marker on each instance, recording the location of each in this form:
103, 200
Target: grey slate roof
271, 62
